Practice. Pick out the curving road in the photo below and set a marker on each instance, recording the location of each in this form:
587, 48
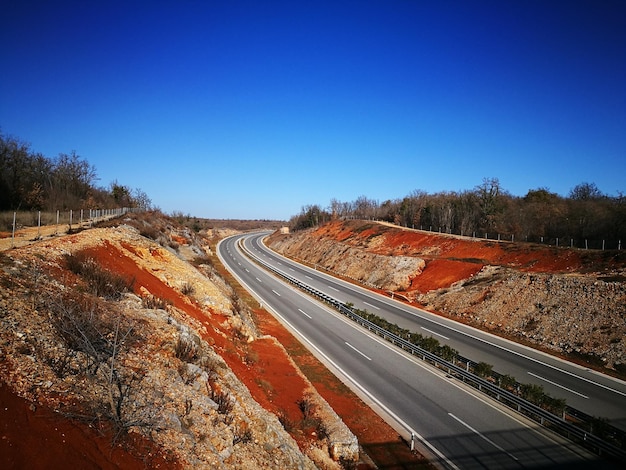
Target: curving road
449, 422
584, 389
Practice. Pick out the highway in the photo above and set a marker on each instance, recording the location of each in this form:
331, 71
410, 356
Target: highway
584, 389
451, 423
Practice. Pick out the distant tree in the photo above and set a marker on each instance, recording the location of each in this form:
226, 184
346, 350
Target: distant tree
31, 181
121, 195
585, 192
141, 200
489, 199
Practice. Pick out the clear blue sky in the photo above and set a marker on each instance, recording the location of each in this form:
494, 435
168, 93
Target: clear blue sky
253, 109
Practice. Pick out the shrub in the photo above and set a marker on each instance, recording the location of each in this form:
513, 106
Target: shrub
100, 282
187, 289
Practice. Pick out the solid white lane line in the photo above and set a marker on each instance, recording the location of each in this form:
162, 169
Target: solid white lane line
558, 385
366, 357
483, 436
373, 306
276, 293
304, 313
434, 333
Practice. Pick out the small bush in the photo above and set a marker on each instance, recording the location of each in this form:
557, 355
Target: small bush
186, 350
222, 400
100, 282
155, 303
187, 289
242, 434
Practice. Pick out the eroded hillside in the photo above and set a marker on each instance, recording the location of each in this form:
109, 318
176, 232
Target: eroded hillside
129, 332
572, 302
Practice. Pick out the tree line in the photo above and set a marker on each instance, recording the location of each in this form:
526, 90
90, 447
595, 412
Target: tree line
488, 210
30, 181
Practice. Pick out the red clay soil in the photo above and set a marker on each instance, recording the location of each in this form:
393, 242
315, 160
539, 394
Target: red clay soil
36, 438
269, 375
452, 258
379, 440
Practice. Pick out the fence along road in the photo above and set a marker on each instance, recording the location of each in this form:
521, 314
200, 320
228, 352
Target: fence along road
448, 420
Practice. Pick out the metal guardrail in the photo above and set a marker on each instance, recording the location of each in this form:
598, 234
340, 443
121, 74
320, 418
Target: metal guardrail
538, 414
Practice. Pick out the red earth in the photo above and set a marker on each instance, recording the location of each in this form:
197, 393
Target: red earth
262, 365
451, 258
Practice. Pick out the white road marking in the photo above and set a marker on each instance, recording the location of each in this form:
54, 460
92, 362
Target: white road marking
434, 333
331, 287
373, 306
304, 313
308, 277
276, 293
366, 357
557, 385
259, 280
483, 436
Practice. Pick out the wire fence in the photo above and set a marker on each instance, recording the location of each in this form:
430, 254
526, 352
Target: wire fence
31, 226
557, 242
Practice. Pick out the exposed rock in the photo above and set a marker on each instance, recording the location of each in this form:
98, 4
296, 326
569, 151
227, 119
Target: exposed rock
569, 301
163, 379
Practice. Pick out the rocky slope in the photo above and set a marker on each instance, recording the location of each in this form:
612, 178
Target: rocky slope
143, 355
571, 302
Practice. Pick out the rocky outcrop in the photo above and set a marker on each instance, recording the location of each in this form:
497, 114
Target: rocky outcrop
148, 362
569, 301
567, 313
384, 272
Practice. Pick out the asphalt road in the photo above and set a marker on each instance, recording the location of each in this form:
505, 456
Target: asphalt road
450, 422
584, 389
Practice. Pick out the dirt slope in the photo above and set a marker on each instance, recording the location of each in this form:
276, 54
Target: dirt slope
200, 379
571, 302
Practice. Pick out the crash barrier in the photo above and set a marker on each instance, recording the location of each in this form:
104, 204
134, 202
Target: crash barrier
556, 423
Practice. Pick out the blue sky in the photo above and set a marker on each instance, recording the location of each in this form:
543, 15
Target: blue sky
253, 109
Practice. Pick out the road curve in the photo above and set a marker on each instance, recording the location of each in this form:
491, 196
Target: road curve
584, 389
450, 422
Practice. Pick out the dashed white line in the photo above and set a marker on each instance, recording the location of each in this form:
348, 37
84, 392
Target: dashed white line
350, 346
308, 277
276, 293
483, 436
304, 313
331, 287
259, 280
434, 333
557, 385
373, 306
